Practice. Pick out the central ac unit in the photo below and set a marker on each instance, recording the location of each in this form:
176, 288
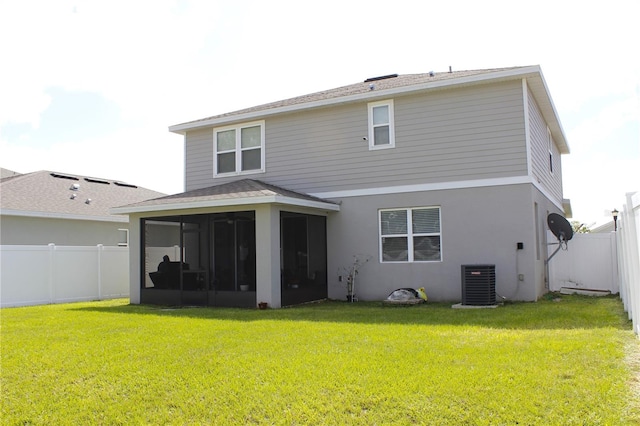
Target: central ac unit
478, 285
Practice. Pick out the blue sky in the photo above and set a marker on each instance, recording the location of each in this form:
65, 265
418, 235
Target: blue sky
90, 87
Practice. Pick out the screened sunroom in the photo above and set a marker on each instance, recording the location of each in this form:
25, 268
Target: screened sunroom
237, 244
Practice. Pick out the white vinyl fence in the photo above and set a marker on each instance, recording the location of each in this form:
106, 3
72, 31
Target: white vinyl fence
588, 263
629, 257
34, 275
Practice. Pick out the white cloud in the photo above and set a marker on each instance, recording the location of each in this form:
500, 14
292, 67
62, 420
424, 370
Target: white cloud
597, 130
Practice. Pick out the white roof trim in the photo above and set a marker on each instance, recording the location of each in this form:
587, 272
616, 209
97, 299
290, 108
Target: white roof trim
441, 186
226, 202
438, 186
66, 216
498, 75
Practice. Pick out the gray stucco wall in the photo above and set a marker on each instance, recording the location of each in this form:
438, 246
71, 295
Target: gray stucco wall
479, 226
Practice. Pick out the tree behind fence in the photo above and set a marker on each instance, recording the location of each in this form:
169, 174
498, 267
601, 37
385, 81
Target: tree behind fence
34, 275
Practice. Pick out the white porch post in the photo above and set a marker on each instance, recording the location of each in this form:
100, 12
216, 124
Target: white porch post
268, 255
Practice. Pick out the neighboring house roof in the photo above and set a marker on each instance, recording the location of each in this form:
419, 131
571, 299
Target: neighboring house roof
604, 228
241, 192
372, 89
54, 195
5, 173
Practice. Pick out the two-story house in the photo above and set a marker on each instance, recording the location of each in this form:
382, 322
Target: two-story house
415, 174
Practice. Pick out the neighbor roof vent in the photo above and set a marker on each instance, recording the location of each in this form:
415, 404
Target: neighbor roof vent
61, 176
128, 185
383, 77
93, 180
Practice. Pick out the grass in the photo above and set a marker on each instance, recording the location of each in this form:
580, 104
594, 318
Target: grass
565, 362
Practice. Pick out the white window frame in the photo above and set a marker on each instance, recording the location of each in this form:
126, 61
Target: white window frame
392, 133
550, 148
409, 235
125, 234
238, 149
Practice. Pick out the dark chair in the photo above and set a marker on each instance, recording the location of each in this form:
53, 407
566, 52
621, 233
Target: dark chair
169, 279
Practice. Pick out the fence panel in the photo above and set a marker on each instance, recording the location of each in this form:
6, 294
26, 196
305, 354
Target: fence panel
114, 272
75, 273
34, 275
25, 277
588, 263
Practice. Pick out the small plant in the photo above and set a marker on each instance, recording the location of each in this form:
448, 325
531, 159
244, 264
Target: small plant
358, 261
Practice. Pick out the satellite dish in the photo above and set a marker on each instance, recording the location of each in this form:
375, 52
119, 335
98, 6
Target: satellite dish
560, 227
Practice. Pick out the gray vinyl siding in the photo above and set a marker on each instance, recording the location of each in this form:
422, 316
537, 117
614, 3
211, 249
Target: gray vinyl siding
447, 135
199, 159
552, 182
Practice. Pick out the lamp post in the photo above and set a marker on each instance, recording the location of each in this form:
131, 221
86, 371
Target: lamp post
614, 213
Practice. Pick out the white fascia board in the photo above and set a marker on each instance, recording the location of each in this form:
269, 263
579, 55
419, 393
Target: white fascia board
319, 205
227, 202
545, 102
47, 215
374, 94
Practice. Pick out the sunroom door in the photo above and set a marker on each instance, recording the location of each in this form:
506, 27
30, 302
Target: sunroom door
234, 258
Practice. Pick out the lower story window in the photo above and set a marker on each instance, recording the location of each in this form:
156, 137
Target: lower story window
410, 235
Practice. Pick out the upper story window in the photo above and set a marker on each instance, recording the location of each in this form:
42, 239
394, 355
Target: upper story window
381, 128
239, 149
410, 235
550, 148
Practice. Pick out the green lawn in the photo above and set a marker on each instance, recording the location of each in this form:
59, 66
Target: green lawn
555, 362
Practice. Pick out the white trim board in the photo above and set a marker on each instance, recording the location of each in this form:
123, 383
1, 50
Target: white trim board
439, 186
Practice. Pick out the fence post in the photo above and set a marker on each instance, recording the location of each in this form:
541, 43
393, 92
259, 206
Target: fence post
100, 248
631, 257
51, 269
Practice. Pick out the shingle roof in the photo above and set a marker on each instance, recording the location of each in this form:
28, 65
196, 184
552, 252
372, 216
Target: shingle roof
400, 84
50, 194
364, 87
245, 191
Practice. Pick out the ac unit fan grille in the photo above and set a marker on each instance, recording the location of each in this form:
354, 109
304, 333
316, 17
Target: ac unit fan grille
478, 285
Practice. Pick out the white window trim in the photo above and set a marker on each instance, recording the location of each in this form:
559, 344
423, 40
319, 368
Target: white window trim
124, 243
392, 132
409, 235
238, 150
